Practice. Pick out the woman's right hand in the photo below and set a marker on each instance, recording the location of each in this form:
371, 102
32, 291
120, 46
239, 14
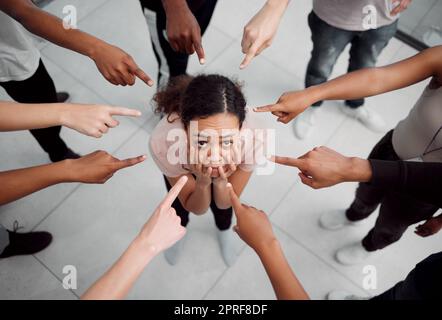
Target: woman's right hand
203, 174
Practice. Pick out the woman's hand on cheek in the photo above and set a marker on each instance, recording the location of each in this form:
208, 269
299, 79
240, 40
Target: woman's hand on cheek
224, 175
203, 174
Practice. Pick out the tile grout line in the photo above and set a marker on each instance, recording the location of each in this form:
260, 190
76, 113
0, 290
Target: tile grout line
244, 246
298, 241
67, 196
47, 43
272, 211
55, 276
79, 185
301, 244
77, 79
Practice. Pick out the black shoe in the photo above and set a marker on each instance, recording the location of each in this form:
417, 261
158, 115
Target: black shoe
63, 96
66, 154
25, 243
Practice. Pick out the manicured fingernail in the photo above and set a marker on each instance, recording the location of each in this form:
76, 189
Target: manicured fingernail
202, 61
150, 83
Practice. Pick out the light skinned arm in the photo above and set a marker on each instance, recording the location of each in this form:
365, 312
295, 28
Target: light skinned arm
91, 120
160, 232
115, 65
261, 29
96, 167
254, 227
362, 83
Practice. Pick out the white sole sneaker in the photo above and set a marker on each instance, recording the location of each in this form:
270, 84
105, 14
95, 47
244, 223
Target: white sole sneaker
352, 254
227, 246
303, 124
369, 118
337, 219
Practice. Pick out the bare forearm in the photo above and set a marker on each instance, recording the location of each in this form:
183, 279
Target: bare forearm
174, 6
18, 116
119, 279
359, 84
199, 200
16, 184
373, 81
51, 28
284, 281
279, 5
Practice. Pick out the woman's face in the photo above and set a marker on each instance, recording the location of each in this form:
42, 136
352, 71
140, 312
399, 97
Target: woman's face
214, 141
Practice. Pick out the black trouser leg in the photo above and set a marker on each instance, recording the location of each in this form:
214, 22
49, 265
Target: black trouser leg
397, 213
38, 89
367, 196
223, 217
170, 62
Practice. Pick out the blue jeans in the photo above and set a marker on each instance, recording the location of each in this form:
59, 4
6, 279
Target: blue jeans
329, 42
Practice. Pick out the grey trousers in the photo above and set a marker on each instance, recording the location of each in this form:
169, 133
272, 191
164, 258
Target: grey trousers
4, 238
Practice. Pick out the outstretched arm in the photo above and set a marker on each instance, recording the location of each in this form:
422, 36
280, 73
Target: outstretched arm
255, 229
115, 65
323, 167
183, 30
96, 167
91, 120
160, 232
362, 83
261, 29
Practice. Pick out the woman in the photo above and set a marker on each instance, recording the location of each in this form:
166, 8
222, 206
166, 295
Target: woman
416, 138
207, 137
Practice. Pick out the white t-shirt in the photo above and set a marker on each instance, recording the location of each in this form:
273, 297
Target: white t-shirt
350, 14
19, 58
164, 145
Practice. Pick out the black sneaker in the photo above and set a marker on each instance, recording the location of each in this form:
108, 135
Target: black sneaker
63, 96
25, 243
66, 154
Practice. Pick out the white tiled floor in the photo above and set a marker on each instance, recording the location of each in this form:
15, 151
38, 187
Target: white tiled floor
92, 225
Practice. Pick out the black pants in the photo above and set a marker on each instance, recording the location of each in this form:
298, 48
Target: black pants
422, 283
38, 89
223, 217
170, 62
397, 212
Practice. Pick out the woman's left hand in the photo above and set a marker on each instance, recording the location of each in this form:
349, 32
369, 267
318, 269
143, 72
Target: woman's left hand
232, 160
223, 178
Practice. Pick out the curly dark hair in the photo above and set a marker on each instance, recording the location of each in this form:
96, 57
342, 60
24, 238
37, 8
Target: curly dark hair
200, 97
